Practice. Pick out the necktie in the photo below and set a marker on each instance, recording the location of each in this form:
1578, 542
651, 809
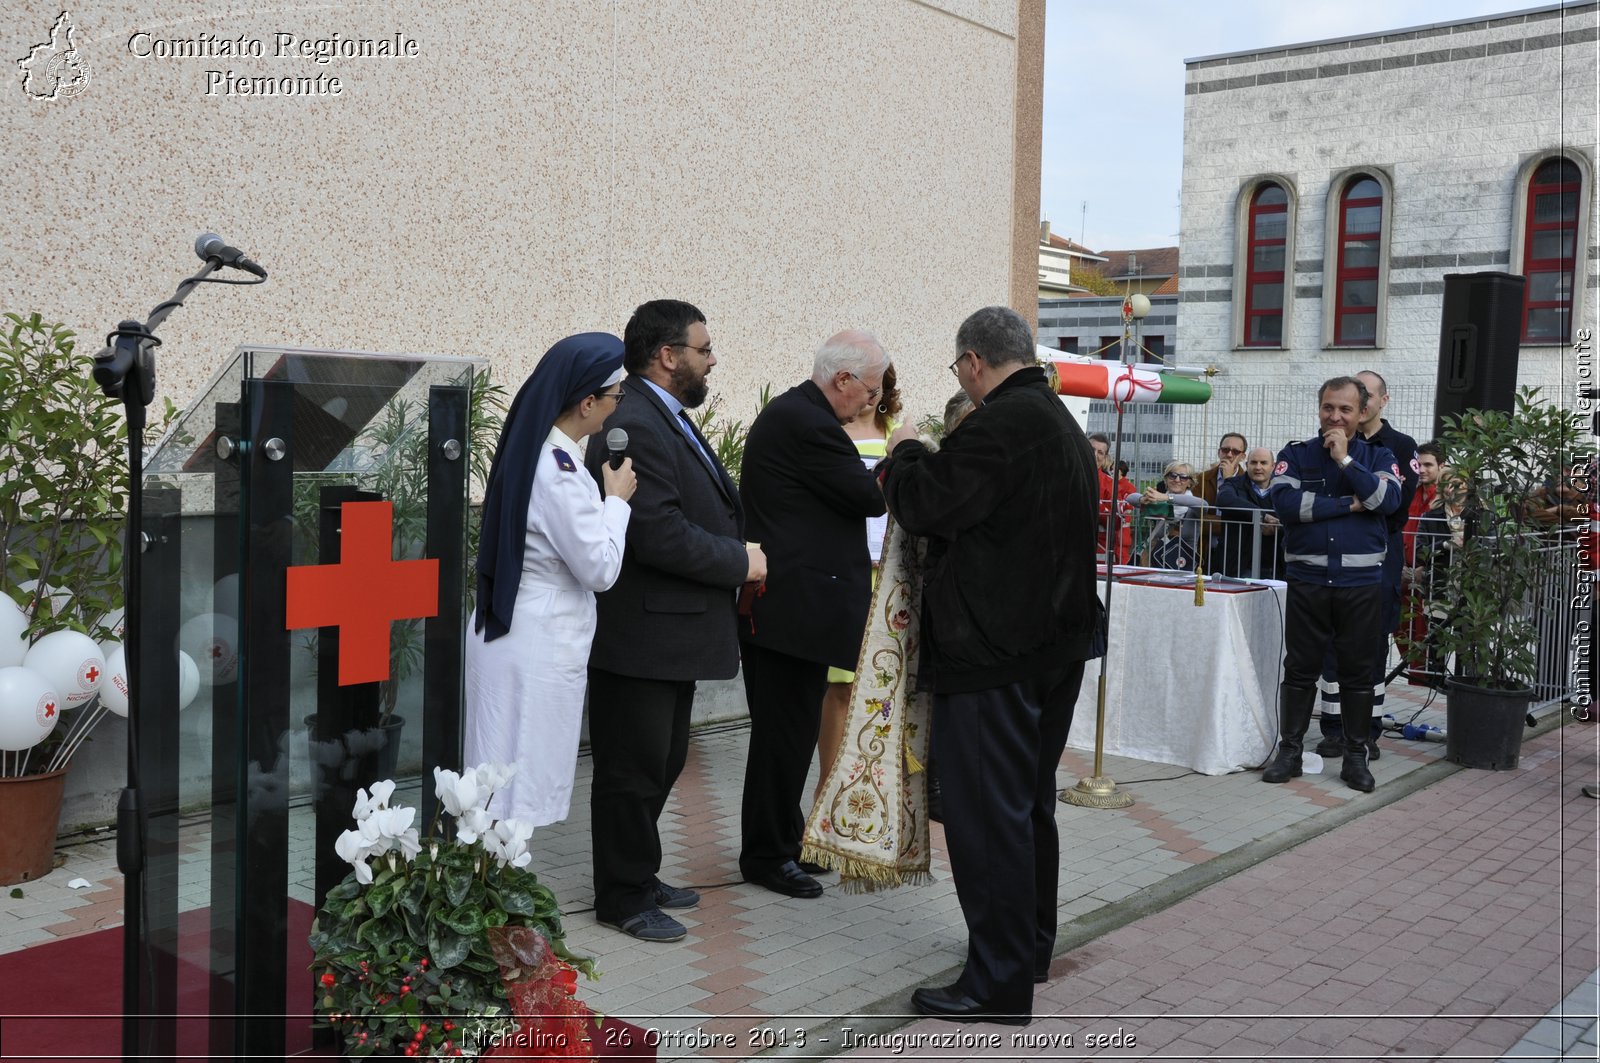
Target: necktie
700, 445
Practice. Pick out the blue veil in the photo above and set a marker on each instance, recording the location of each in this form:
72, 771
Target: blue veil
576, 366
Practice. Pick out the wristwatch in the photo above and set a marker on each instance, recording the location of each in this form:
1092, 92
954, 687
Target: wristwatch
1344, 462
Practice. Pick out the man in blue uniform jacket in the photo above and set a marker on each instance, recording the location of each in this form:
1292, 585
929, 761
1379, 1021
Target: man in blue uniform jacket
1333, 494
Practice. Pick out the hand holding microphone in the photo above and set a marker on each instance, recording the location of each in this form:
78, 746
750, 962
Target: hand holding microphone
617, 473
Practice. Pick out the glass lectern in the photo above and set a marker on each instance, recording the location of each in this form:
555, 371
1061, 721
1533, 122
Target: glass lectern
305, 550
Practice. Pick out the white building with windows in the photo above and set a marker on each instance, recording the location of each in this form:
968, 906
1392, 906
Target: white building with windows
1328, 187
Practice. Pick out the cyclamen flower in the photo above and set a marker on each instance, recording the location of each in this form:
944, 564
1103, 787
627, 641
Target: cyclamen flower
458, 793
508, 842
366, 806
493, 777
472, 825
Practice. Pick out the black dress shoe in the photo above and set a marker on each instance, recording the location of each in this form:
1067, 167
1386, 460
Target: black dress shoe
955, 1006
812, 869
787, 879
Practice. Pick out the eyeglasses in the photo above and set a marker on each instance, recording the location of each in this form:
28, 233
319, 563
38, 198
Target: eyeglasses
872, 393
1232, 452
619, 395
1179, 476
691, 347
953, 370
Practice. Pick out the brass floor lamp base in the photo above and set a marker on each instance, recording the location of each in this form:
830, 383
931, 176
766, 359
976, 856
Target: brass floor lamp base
1097, 791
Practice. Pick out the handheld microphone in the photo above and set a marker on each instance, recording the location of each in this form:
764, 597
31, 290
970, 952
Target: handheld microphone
617, 444
210, 246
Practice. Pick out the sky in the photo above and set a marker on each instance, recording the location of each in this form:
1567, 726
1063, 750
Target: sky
1113, 95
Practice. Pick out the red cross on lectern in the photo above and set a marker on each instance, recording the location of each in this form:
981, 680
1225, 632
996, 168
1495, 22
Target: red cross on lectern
364, 593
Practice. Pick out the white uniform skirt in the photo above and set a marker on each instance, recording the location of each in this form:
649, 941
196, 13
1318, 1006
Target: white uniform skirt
526, 690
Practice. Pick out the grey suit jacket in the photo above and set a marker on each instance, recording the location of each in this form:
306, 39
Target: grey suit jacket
671, 614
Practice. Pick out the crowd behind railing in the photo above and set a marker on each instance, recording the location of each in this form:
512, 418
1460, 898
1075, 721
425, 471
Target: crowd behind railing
1239, 537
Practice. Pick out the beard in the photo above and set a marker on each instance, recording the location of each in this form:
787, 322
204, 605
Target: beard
690, 387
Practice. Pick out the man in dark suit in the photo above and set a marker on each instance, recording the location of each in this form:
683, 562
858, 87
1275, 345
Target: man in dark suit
1010, 614
807, 496
668, 621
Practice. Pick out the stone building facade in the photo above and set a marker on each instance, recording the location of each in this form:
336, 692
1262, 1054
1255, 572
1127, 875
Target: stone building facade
1329, 187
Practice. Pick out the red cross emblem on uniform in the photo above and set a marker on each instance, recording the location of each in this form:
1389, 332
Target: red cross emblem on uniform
364, 593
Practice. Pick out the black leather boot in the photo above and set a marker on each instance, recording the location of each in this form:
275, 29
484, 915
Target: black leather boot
1332, 744
1294, 716
1357, 706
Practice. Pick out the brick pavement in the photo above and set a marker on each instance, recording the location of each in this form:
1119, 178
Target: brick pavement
757, 961
1447, 925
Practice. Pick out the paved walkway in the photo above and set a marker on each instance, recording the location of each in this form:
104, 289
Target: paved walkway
1449, 912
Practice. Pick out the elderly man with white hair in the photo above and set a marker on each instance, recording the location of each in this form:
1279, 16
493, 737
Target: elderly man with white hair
807, 497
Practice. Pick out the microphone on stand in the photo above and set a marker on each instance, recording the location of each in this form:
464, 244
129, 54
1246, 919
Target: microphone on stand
617, 445
210, 245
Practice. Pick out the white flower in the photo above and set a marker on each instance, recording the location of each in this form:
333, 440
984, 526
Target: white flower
493, 777
508, 841
458, 793
366, 806
472, 824
408, 843
353, 846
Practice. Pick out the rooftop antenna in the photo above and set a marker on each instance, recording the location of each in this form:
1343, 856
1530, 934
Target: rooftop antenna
1083, 222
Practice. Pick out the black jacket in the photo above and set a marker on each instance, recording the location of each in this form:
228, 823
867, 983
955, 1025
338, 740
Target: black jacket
670, 615
1404, 449
807, 497
1236, 499
1008, 505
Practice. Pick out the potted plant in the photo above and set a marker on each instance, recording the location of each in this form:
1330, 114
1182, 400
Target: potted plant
445, 945
63, 492
1523, 482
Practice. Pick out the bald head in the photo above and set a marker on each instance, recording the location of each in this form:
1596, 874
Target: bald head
1258, 465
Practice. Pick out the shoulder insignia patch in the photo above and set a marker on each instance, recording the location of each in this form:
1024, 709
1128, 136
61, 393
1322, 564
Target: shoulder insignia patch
564, 460
1280, 468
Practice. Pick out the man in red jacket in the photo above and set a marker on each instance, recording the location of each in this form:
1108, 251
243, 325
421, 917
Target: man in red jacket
1412, 634
1112, 489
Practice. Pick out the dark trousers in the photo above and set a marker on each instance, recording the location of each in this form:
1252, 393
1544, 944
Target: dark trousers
1389, 620
1343, 621
785, 698
639, 735
998, 750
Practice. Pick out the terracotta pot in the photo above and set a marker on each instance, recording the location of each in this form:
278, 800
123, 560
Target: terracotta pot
30, 812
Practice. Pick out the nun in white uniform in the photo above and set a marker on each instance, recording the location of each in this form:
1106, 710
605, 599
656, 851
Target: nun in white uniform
548, 544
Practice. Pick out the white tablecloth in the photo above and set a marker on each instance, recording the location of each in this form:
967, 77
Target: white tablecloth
1188, 685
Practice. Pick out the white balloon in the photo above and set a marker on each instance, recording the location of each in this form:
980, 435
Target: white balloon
188, 680
59, 598
72, 664
225, 595
211, 640
13, 632
114, 621
29, 708
114, 683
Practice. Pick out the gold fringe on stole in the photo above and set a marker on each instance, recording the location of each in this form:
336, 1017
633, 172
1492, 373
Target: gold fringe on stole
871, 822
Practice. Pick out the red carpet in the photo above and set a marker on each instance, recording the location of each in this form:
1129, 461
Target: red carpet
74, 987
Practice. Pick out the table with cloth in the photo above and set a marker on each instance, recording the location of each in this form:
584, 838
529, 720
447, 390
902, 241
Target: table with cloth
1186, 684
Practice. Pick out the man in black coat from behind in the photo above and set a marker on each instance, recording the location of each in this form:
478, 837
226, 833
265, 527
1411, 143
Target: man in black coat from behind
1010, 614
807, 496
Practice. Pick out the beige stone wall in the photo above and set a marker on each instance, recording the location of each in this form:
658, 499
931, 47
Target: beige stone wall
537, 169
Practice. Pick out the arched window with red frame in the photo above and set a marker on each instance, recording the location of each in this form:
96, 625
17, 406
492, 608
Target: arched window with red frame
1360, 247
1266, 248
1550, 250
